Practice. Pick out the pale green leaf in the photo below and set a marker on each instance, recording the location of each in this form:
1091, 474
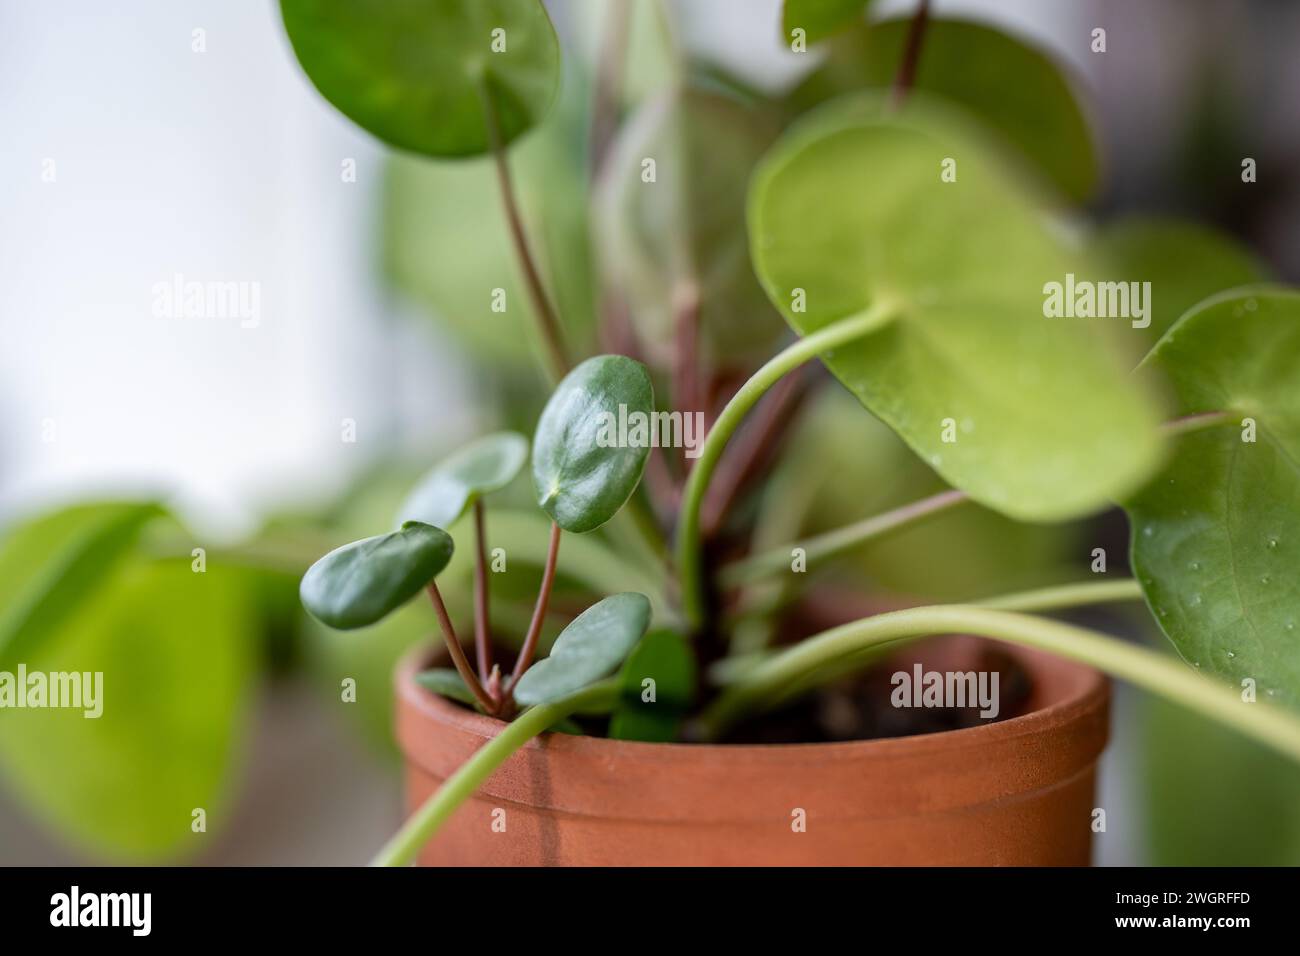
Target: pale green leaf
1035, 417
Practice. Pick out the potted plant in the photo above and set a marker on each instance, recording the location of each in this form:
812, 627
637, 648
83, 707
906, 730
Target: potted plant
904, 235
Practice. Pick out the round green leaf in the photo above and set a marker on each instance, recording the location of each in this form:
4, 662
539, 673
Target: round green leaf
665, 658
1216, 536
361, 582
591, 647
1013, 88
1184, 262
819, 18
481, 467
587, 454
686, 227
1035, 417
419, 73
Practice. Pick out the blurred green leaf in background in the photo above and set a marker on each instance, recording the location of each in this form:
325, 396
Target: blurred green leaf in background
175, 648
1016, 90
1213, 797
446, 245
1185, 262
670, 217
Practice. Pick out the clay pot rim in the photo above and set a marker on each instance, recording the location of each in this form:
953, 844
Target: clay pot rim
1089, 689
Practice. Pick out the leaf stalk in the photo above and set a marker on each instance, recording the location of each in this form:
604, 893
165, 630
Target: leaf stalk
689, 558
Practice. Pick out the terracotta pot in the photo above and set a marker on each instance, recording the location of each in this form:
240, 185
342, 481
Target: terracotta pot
1015, 792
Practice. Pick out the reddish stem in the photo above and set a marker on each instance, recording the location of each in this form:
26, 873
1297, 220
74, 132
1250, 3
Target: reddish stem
911, 53
529, 647
552, 334
482, 629
609, 85
457, 654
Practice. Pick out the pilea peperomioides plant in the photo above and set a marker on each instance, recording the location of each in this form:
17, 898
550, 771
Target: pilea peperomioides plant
901, 234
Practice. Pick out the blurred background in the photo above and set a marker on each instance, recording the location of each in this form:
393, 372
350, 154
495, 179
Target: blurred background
175, 138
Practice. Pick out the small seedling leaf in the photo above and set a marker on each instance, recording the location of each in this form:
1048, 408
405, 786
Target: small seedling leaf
591, 647
587, 456
451, 486
360, 583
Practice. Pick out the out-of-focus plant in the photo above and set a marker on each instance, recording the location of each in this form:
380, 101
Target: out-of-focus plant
80, 595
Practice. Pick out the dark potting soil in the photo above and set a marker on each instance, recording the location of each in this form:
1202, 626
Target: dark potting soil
861, 708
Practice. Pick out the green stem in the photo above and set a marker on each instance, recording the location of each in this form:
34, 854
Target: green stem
1197, 422
688, 522
287, 553
832, 543
1154, 672
1043, 599
840, 540
1067, 595
422, 825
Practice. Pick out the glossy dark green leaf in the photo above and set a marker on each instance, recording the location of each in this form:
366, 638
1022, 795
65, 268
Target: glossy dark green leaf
1216, 535
1012, 87
361, 582
1038, 418
658, 687
419, 74
175, 652
369, 656
819, 18
685, 229
587, 452
1185, 263
49, 565
446, 682
481, 467
591, 647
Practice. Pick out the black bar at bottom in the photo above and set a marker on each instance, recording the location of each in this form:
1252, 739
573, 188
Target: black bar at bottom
334, 906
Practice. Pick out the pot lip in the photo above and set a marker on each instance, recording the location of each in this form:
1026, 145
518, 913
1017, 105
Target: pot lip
1089, 691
